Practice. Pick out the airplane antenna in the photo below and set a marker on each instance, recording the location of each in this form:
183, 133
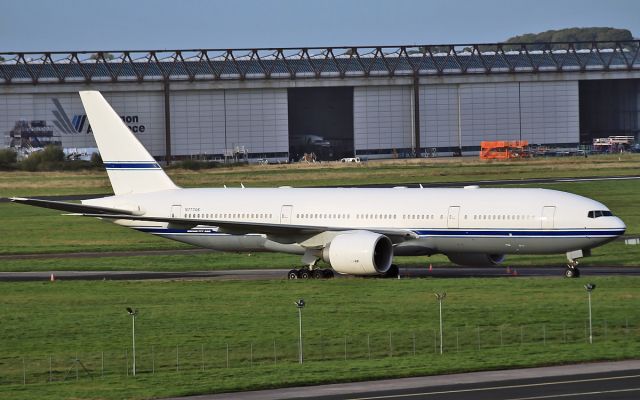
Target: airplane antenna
225, 186
241, 185
421, 186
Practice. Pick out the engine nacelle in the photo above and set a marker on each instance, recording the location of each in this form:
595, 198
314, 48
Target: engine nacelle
476, 259
359, 253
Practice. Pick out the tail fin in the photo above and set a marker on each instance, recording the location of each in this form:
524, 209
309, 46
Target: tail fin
130, 167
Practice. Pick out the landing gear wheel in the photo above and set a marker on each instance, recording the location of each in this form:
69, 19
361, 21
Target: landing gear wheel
327, 273
392, 272
306, 273
572, 272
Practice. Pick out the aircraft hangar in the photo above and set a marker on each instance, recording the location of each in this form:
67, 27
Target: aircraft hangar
373, 102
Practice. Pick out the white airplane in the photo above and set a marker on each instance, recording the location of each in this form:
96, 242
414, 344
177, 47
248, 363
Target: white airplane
356, 231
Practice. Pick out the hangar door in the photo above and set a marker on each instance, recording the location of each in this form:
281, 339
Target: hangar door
382, 121
321, 122
609, 107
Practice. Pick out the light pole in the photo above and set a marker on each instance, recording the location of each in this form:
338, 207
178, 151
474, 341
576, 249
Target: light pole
590, 287
440, 297
133, 313
300, 304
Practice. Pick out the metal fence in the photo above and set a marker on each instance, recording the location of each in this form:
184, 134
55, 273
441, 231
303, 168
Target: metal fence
318, 347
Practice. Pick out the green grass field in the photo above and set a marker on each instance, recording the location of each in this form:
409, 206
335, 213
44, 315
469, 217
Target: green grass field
20, 183
521, 322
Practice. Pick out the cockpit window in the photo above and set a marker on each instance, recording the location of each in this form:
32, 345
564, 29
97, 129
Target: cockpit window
599, 213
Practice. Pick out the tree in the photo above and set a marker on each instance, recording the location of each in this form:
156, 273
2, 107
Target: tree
594, 34
96, 160
50, 158
8, 159
99, 55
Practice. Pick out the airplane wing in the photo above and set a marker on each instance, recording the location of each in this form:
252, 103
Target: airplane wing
240, 228
231, 227
70, 207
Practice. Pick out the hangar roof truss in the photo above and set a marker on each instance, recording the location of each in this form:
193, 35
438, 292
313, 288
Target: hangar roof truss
326, 62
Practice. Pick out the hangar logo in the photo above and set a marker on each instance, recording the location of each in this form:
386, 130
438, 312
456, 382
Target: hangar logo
78, 123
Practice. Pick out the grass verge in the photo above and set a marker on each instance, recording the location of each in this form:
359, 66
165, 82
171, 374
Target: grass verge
20, 183
489, 324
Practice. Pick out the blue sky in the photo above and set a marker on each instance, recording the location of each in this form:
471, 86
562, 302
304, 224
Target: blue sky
58, 25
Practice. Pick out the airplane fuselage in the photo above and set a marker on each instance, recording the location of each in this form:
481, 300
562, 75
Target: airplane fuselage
469, 220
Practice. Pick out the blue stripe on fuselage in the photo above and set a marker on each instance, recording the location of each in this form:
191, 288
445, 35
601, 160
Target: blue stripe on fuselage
165, 231
520, 233
439, 232
131, 165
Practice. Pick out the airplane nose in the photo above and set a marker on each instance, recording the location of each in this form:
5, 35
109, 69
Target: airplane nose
619, 224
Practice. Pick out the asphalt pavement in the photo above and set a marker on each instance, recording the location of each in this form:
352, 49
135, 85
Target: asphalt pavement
271, 274
593, 381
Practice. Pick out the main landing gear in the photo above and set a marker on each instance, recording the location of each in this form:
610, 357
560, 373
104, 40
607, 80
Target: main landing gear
310, 258
572, 270
392, 272
306, 273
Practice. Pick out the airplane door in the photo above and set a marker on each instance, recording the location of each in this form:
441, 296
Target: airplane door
453, 217
176, 211
548, 214
285, 214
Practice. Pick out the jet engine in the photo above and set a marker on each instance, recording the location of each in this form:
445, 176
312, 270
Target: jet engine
476, 259
359, 253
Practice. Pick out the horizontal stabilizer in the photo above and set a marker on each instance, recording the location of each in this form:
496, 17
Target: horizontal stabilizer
71, 207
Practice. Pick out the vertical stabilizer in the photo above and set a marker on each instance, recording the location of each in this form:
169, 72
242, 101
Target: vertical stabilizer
130, 167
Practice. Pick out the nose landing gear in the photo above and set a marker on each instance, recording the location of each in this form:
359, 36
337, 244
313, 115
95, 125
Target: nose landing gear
572, 270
